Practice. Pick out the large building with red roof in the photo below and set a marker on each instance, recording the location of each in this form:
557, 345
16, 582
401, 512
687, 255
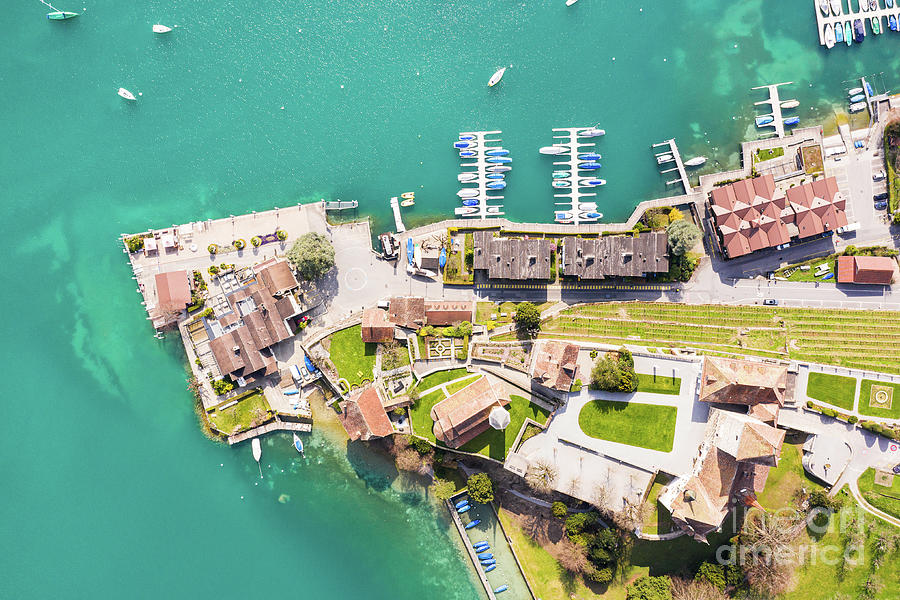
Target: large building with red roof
753, 214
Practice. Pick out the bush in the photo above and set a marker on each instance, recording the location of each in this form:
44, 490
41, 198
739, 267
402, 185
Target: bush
213, 270
681, 268
853, 419
281, 234
559, 510
420, 445
683, 235
713, 573
604, 575
820, 499
851, 251
576, 386
615, 374
207, 312
443, 489
312, 255
650, 588
134, 243
255, 241
481, 488
809, 404
222, 386
578, 523
593, 354
240, 244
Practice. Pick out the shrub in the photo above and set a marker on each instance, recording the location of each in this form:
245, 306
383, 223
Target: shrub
212, 248
820, 499
443, 489
650, 588
420, 445
713, 573
255, 241
559, 510
240, 244
850, 251
576, 386
604, 575
615, 374
593, 354
398, 411
281, 234
134, 243
577, 523
222, 386
312, 255
481, 488
853, 419
207, 312
213, 270
683, 235
809, 404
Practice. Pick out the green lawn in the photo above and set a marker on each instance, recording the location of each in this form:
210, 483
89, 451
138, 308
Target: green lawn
440, 377
658, 519
353, 359
787, 479
249, 412
865, 388
420, 415
886, 499
764, 154
454, 387
658, 384
494, 442
643, 425
837, 390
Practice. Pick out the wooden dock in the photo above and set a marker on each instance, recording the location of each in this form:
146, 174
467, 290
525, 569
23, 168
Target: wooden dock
573, 193
881, 13
465, 539
775, 102
276, 425
481, 164
683, 178
398, 222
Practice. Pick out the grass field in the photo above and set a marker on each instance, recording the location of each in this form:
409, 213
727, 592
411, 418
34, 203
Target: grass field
494, 442
494, 311
643, 425
440, 377
836, 390
886, 499
787, 479
865, 389
420, 414
250, 410
658, 384
849, 338
657, 519
764, 154
353, 359
455, 386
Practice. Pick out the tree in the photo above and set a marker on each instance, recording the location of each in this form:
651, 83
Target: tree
528, 317
712, 573
391, 355
675, 215
413, 394
409, 460
697, 589
559, 510
572, 557
312, 255
443, 489
481, 488
683, 235
541, 475
605, 374
650, 588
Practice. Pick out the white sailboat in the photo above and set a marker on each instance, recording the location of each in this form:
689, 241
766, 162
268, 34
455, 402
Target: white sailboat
696, 161
496, 77
126, 94
257, 454
553, 150
161, 28
591, 132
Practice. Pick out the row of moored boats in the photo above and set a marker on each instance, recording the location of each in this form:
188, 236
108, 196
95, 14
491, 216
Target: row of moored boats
572, 179
492, 163
855, 30
833, 8
857, 97
482, 549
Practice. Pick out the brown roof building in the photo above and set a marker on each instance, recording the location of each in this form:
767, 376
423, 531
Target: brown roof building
735, 457
554, 364
376, 327
734, 381
877, 270
514, 259
464, 415
363, 416
441, 313
276, 275
615, 256
407, 311
753, 214
173, 290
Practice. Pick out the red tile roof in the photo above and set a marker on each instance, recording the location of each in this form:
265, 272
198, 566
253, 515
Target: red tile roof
877, 270
173, 290
376, 327
464, 415
447, 313
555, 364
407, 311
363, 416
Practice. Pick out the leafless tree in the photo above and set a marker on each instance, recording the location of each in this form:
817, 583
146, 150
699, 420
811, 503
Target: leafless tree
631, 516
541, 475
572, 557
766, 550
601, 498
409, 460
695, 589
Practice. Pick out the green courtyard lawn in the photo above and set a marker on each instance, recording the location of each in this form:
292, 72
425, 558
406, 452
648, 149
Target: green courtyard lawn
658, 384
885, 499
787, 479
657, 519
440, 377
836, 390
764, 154
353, 359
643, 425
494, 443
865, 389
459, 384
250, 411
420, 415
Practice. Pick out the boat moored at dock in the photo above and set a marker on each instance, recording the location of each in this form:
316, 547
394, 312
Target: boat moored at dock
553, 150
589, 166
829, 36
591, 182
591, 132
695, 162
857, 107
499, 169
859, 31
61, 15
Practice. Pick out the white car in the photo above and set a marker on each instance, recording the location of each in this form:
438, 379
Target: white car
878, 176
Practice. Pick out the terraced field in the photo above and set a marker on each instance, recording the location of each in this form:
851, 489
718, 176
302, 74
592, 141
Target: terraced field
859, 339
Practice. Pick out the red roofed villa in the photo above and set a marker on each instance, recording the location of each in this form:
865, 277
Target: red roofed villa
464, 415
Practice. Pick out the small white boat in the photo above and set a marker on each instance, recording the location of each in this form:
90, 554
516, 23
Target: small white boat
493, 210
823, 6
696, 161
864, 5
570, 2
161, 28
467, 177
855, 91
591, 132
257, 454
496, 77
467, 193
835, 7
587, 206
829, 34
591, 182
499, 169
664, 158
426, 273
790, 104
298, 444
553, 150
857, 107
126, 94
465, 210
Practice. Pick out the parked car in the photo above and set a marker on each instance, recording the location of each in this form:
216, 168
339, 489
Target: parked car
848, 227
770, 302
878, 175
880, 205
881, 196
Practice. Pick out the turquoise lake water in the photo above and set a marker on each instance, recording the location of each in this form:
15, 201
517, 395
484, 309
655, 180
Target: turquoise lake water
111, 491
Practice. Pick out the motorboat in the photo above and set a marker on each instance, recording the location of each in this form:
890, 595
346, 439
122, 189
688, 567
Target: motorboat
824, 7
257, 453
468, 154
409, 250
876, 25
561, 174
496, 77
489, 568
858, 98
485, 556
857, 107
873, 4
859, 31
836, 7
492, 210
408, 195
505, 587
496, 185
61, 15
869, 89
387, 249
828, 276
407, 202
495, 176
764, 120
481, 544
561, 183
497, 152
467, 177
587, 206
161, 28
471, 202
563, 216
465, 210
838, 33
591, 215
466, 137
553, 150
589, 166
126, 94
591, 132
829, 36
467, 193
848, 33
499, 169
664, 159
589, 156
855, 91
696, 161
889, 3
465, 144
298, 444
863, 5
591, 182
892, 23
442, 259
791, 121
499, 159
570, 2
489, 561
790, 104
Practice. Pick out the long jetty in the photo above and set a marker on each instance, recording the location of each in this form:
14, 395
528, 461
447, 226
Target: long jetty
276, 425
574, 193
683, 178
481, 164
882, 13
398, 222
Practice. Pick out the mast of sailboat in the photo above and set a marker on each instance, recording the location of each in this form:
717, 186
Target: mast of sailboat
50, 5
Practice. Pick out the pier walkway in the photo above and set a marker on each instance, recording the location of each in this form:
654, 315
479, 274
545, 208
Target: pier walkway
881, 13
276, 425
775, 102
683, 178
398, 222
575, 195
481, 164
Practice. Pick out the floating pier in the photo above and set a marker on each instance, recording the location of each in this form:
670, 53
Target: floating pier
882, 13
481, 164
775, 102
398, 222
573, 193
679, 164
341, 205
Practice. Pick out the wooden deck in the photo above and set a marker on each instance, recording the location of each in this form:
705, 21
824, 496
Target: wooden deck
276, 425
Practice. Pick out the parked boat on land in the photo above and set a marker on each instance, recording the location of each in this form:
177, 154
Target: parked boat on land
126, 94
417, 256
553, 150
489, 561
485, 556
589, 166
492, 210
61, 15
489, 568
161, 28
479, 545
499, 169
591, 132
696, 161
764, 120
409, 250
467, 193
496, 77
501, 588
829, 36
